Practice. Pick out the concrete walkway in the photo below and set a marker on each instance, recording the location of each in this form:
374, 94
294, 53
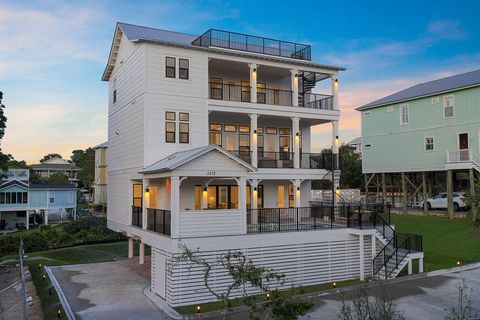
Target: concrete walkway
110, 290
425, 296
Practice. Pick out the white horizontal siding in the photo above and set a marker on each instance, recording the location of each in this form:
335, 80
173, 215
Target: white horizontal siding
311, 258
211, 223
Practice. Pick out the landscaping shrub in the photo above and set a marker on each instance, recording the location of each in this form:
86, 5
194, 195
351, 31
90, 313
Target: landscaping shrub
85, 230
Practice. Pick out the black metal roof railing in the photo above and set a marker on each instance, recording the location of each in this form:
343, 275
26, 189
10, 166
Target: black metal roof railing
244, 42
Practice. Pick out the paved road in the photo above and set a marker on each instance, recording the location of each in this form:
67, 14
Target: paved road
421, 298
110, 290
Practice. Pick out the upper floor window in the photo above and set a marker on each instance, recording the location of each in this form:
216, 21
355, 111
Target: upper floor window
170, 67
13, 197
183, 71
170, 132
429, 146
404, 114
52, 197
114, 98
448, 106
70, 196
184, 127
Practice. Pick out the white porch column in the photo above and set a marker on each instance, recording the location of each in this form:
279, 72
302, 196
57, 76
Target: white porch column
420, 265
28, 218
254, 139
141, 253
335, 149
146, 202
253, 82
296, 142
204, 197
242, 199
294, 81
74, 213
296, 193
362, 258
335, 91
131, 243
254, 200
175, 205
410, 267
45, 215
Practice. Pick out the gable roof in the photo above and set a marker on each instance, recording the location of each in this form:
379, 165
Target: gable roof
8, 183
180, 158
459, 81
356, 141
101, 145
172, 38
55, 166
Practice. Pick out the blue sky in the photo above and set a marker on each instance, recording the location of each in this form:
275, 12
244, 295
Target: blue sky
52, 55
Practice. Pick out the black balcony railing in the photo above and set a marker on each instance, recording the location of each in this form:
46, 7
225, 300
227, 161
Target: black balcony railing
245, 155
240, 93
268, 159
317, 160
325, 215
244, 42
159, 220
137, 216
318, 101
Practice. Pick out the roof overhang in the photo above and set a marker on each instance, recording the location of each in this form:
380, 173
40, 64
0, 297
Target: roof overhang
112, 57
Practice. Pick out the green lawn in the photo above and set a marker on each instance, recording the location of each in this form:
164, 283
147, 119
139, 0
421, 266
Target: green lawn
445, 241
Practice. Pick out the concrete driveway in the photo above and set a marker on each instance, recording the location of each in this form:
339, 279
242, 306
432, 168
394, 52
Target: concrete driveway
110, 290
426, 296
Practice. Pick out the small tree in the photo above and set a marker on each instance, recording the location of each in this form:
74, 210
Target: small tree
244, 274
383, 306
473, 201
464, 309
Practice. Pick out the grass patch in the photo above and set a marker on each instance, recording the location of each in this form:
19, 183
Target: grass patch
445, 241
218, 305
72, 255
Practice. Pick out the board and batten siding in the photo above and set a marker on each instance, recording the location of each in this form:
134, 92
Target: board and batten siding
389, 146
304, 257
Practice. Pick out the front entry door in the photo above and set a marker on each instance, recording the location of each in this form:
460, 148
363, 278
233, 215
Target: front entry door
463, 146
281, 196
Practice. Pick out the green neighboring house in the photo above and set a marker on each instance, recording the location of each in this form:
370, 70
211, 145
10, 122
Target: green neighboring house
430, 128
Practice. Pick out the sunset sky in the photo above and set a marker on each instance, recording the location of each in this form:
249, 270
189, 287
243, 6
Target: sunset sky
52, 55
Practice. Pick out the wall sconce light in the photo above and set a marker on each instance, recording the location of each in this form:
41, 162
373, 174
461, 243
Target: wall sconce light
254, 188
298, 134
254, 131
147, 190
298, 188
268, 296
198, 309
205, 189
296, 75
336, 80
254, 70
334, 285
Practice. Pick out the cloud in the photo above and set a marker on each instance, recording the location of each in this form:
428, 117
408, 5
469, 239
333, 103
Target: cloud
446, 30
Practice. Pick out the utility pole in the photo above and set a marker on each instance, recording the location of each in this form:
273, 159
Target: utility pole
22, 276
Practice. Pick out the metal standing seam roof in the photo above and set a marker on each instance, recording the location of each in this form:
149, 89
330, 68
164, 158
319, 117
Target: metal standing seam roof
54, 166
141, 33
451, 83
52, 186
101, 145
179, 158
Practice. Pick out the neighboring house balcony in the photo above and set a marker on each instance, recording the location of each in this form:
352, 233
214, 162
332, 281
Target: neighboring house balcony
463, 159
244, 87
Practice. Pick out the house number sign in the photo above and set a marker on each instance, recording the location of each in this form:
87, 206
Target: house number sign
211, 173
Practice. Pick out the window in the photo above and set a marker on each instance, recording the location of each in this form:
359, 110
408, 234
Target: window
14, 197
261, 91
198, 197
448, 105
259, 130
70, 196
183, 68
215, 127
114, 98
389, 109
170, 67
170, 132
271, 130
284, 131
52, 197
137, 195
216, 138
184, 132
260, 143
222, 197
2, 197
25, 197
170, 116
230, 128
183, 116
245, 129
429, 144
404, 114
244, 142
216, 88
245, 91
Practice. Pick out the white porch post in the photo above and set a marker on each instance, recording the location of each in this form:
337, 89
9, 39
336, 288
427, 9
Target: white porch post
175, 205
296, 193
335, 148
242, 199
420, 265
204, 197
335, 91
28, 216
74, 213
362, 258
296, 142
45, 215
410, 267
131, 243
141, 253
254, 200
253, 82
294, 81
254, 139
146, 203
